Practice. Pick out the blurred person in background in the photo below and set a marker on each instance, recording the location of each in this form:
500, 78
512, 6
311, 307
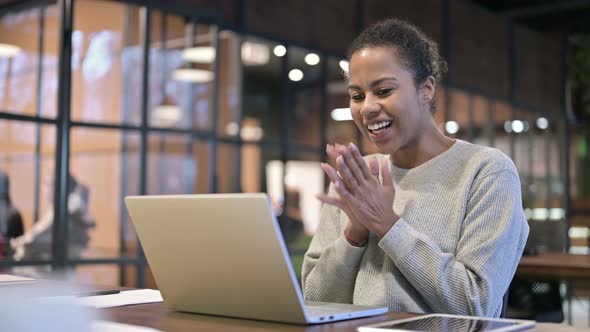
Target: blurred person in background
11, 221
36, 242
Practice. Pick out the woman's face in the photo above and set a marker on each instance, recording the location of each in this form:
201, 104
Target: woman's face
384, 101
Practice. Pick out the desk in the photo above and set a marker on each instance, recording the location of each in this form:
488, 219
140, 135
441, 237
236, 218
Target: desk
156, 315
554, 265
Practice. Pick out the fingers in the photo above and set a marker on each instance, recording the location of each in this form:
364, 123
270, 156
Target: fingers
387, 180
337, 202
345, 174
332, 154
356, 154
337, 180
374, 167
331, 173
347, 161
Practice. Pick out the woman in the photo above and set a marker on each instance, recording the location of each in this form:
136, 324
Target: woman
430, 224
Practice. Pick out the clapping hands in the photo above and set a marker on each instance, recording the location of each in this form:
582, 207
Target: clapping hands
367, 202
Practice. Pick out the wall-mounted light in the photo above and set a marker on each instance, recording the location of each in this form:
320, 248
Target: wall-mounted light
312, 59
193, 75
341, 114
199, 54
279, 50
295, 75
8, 50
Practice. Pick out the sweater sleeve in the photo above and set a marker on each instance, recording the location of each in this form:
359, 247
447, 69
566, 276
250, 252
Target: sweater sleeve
474, 279
330, 264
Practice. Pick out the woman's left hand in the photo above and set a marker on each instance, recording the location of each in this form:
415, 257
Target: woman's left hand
369, 200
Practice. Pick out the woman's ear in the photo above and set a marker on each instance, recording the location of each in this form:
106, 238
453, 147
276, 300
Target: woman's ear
428, 89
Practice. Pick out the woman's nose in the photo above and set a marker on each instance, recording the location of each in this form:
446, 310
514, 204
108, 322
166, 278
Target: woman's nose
370, 105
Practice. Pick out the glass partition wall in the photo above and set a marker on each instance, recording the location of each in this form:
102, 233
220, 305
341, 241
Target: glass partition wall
159, 103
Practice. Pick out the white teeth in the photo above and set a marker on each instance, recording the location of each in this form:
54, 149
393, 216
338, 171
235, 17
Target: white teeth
378, 125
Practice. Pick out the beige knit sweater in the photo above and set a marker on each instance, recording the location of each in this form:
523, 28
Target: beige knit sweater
454, 250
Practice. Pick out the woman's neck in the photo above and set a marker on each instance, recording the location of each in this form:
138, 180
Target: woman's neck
425, 147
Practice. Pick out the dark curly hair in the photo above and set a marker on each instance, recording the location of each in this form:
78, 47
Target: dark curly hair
417, 51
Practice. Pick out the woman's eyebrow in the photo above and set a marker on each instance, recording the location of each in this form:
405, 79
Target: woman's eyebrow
374, 83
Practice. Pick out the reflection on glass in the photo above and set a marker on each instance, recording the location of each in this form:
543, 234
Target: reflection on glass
106, 63
228, 168
102, 164
262, 90
21, 166
458, 124
304, 82
556, 156
292, 188
341, 129
19, 62
181, 72
300, 179
523, 134
482, 126
502, 124
176, 165
440, 108
230, 76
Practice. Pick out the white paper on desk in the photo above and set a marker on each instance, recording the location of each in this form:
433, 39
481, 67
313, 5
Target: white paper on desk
104, 326
138, 296
9, 279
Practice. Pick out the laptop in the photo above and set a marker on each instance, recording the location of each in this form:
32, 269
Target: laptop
224, 254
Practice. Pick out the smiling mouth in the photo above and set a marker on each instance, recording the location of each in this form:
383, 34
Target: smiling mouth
376, 128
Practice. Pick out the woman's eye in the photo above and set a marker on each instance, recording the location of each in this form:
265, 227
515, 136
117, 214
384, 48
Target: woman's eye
356, 97
383, 92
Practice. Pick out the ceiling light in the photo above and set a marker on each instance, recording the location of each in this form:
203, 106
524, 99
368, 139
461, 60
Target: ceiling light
193, 75
279, 50
451, 127
542, 123
508, 126
8, 50
166, 114
341, 114
251, 133
295, 75
312, 59
255, 54
232, 128
199, 54
517, 126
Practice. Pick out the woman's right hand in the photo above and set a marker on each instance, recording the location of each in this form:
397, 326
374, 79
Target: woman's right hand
355, 231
